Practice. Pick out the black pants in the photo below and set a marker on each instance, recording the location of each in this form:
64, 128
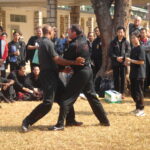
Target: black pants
119, 78
81, 81
52, 88
137, 86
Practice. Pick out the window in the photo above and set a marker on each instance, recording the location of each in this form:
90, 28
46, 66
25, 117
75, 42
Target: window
18, 18
44, 20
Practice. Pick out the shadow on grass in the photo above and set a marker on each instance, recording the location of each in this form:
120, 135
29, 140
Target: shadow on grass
86, 113
38, 127
10, 128
118, 113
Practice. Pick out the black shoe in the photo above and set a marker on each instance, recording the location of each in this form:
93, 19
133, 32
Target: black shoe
74, 123
105, 124
25, 126
56, 128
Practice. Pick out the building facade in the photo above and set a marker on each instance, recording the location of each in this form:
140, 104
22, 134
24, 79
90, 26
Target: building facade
26, 18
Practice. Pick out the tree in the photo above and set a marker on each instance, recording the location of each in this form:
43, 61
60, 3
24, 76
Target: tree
108, 24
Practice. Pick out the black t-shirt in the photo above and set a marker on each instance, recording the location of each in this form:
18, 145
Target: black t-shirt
46, 54
32, 41
31, 82
19, 80
137, 71
78, 47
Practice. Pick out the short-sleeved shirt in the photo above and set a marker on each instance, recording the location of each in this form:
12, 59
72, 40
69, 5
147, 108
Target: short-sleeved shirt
32, 41
137, 71
46, 54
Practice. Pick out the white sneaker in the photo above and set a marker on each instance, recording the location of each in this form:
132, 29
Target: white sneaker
140, 113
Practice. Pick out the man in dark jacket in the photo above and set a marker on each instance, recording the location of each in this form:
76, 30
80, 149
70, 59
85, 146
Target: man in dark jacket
96, 55
81, 80
119, 49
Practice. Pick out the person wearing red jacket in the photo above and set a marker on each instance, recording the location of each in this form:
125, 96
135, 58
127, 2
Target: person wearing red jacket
3, 55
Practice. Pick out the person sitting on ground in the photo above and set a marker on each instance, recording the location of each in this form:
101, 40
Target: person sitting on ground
33, 82
21, 89
7, 93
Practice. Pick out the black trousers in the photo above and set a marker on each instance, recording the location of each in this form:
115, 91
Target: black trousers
81, 81
119, 73
52, 89
137, 86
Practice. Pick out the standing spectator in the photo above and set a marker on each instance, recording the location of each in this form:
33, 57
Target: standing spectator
21, 89
119, 49
4, 66
33, 82
137, 74
33, 45
3, 55
136, 26
4, 36
17, 51
90, 39
59, 43
96, 55
145, 43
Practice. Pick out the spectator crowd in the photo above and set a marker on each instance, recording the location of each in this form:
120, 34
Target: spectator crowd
135, 52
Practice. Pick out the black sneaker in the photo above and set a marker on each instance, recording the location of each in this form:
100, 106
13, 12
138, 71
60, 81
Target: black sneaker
74, 123
55, 128
105, 124
25, 126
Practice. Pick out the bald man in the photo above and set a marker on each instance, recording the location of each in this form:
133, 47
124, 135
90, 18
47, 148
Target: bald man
136, 26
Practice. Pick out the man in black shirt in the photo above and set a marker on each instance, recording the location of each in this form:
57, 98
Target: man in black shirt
119, 49
49, 61
82, 80
21, 89
33, 44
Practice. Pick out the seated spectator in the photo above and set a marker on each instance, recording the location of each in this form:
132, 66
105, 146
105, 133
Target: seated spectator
7, 93
21, 89
33, 82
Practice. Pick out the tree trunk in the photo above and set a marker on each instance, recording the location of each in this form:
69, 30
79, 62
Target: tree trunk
108, 24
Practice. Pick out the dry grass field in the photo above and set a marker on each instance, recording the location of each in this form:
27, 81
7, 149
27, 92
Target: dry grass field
126, 132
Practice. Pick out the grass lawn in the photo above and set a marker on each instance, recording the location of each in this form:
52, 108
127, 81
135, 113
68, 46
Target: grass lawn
126, 132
